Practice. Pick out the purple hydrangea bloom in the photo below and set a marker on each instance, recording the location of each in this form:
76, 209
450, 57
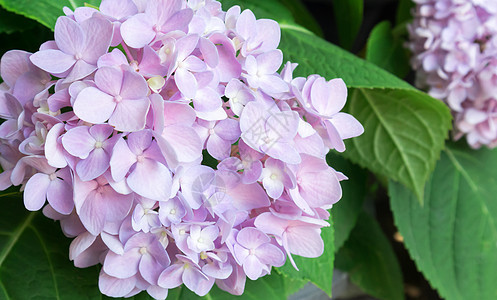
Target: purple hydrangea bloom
454, 45
111, 144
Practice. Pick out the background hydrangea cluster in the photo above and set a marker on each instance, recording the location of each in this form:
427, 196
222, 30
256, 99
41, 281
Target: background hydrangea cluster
455, 45
110, 124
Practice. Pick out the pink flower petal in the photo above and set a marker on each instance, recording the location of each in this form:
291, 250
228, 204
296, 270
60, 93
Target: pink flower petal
78, 141
130, 115
151, 179
94, 106
35, 191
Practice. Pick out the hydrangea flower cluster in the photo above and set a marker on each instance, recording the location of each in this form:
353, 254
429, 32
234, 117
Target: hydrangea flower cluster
455, 45
107, 126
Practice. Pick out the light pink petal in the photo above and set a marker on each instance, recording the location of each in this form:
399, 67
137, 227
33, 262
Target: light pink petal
149, 269
253, 267
251, 238
115, 287
228, 130
178, 21
270, 224
54, 151
98, 34
186, 82
94, 165
113, 59
245, 25
53, 61
184, 141
69, 36
171, 277
80, 70
346, 125
186, 45
134, 86
121, 160
151, 179
13, 64
139, 141
271, 255
218, 148
328, 98
109, 80
130, 115
80, 244
150, 65
305, 240
101, 132
178, 113
273, 84
268, 33
157, 292
122, 266
209, 52
93, 105
229, 67
60, 196
274, 188
248, 196
137, 31
78, 141
118, 9
35, 191
193, 64
270, 62
207, 100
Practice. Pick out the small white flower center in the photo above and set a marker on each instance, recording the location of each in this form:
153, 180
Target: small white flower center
118, 98
252, 252
143, 250
98, 144
78, 56
182, 231
211, 131
273, 176
172, 212
266, 140
200, 240
52, 176
140, 158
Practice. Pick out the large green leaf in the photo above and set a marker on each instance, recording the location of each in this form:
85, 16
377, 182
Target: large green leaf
370, 261
317, 270
346, 211
43, 11
34, 262
453, 236
10, 22
348, 16
386, 50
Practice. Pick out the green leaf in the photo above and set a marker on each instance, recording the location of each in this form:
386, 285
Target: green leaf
346, 211
404, 9
302, 15
370, 261
453, 236
387, 51
10, 22
34, 261
348, 16
317, 270
44, 11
